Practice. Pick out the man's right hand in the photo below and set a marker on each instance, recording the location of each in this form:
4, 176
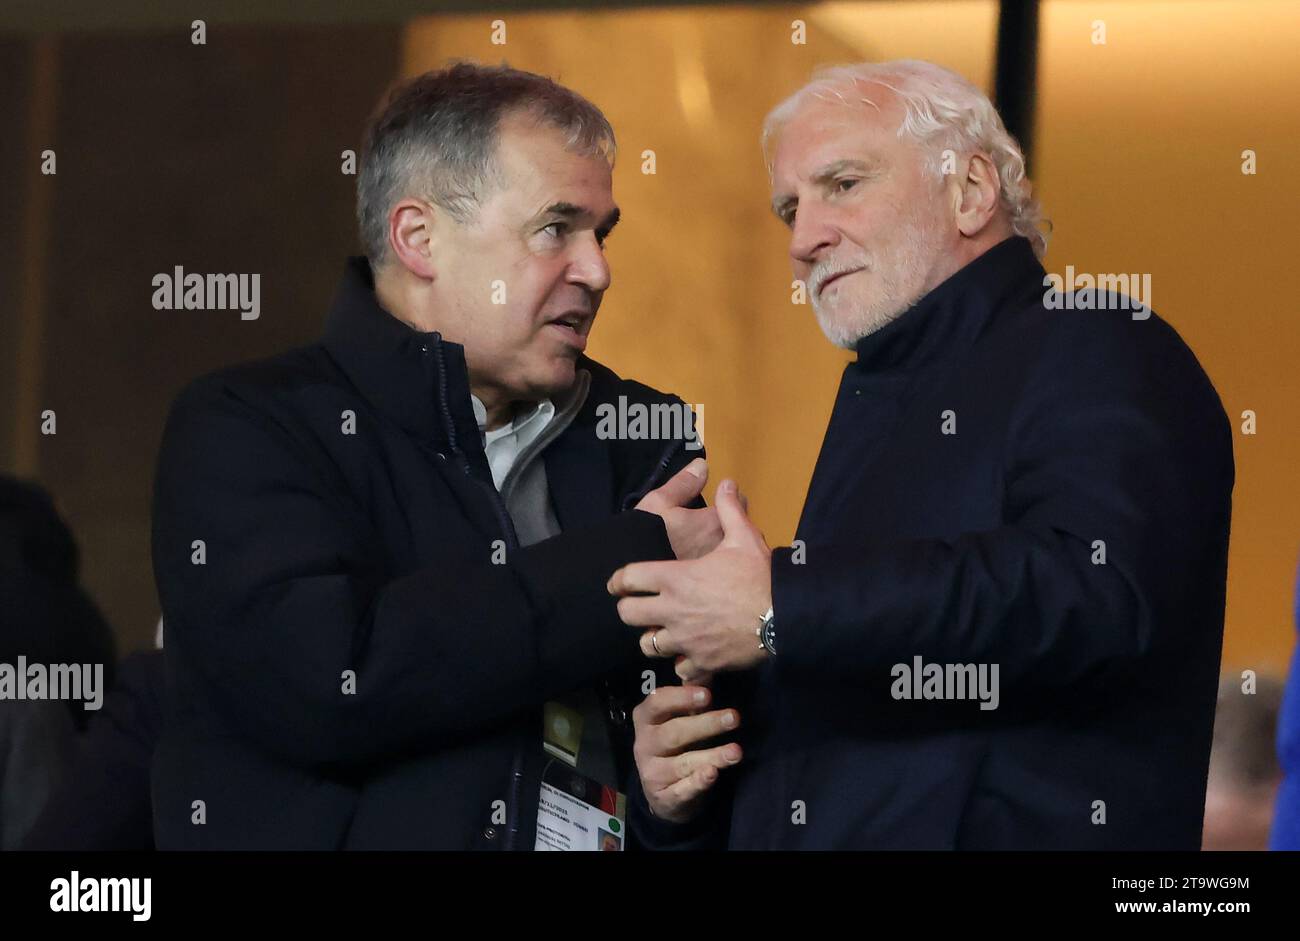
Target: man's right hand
669, 723
693, 533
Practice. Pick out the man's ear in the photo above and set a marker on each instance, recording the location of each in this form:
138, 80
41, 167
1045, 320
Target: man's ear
411, 236
976, 195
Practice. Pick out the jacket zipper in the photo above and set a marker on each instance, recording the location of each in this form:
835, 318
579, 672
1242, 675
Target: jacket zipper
653, 480
512, 542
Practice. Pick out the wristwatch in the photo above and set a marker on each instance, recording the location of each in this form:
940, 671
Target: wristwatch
766, 632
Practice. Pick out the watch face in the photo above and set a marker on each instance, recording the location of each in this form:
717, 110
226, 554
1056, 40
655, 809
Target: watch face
769, 637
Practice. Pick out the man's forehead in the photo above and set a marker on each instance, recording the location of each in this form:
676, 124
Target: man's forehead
823, 133
540, 168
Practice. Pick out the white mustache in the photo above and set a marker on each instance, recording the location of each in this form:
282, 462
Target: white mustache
823, 271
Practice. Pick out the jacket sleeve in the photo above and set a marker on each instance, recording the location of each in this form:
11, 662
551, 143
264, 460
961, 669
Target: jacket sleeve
1117, 448
290, 595
706, 831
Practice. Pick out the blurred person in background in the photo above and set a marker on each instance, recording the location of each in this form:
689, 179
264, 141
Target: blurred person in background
1244, 772
102, 799
1286, 816
46, 618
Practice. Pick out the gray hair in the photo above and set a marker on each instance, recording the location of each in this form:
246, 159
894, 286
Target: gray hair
435, 137
943, 111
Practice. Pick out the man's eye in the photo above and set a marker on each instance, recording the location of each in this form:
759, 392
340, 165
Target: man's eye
788, 217
559, 228
846, 184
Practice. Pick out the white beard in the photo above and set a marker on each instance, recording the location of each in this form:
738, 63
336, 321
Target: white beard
901, 272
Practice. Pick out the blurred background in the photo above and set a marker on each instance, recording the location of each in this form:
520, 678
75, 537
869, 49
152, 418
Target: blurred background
228, 156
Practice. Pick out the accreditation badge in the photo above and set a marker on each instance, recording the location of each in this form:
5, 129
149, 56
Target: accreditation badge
575, 811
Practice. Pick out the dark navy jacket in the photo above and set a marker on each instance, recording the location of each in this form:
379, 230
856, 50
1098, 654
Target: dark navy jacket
1077, 433
324, 552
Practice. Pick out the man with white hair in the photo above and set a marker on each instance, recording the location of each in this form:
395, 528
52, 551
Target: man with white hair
1000, 623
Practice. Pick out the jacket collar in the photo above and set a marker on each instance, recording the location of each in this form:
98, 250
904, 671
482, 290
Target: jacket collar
951, 316
407, 374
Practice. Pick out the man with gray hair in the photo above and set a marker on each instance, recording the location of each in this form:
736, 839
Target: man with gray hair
382, 558
1000, 623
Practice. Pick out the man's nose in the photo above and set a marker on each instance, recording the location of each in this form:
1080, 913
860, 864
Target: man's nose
589, 266
810, 236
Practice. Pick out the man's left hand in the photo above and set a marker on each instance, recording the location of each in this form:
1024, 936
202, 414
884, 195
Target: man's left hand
703, 611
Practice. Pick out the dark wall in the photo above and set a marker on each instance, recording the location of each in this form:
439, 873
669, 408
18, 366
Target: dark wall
218, 158
15, 69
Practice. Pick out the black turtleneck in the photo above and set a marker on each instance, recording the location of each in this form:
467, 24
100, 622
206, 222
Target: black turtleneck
950, 317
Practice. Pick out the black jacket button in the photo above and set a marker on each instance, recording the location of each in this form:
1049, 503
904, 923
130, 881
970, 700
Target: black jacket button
490, 832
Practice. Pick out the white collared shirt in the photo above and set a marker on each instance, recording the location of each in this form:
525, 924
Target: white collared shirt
504, 445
